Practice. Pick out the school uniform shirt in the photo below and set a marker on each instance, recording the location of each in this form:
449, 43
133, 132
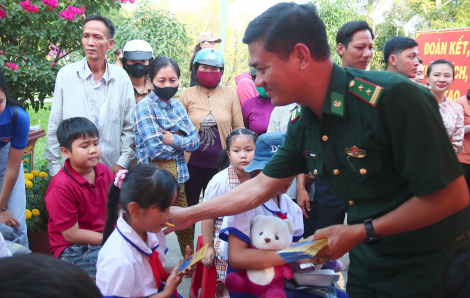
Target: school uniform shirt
240, 224
17, 136
123, 268
221, 183
4, 251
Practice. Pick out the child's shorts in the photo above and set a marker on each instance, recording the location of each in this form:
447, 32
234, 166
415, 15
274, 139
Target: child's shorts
83, 256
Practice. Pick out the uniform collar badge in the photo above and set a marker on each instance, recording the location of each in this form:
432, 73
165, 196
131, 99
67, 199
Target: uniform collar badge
356, 152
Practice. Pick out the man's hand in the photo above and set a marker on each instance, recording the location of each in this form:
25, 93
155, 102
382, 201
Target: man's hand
179, 217
116, 169
309, 179
168, 137
7, 218
341, 239
303, 200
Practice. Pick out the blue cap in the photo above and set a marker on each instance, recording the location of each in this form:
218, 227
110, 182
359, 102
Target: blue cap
266, 146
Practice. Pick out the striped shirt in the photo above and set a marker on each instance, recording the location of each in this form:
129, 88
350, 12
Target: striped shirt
152, 115
96, 92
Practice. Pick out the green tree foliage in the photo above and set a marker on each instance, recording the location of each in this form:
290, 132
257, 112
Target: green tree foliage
335, 14
158, 27
27, 40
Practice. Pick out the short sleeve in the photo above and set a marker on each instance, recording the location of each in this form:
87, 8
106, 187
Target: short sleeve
62, 207
238, 225
295, 214
115, 276
288, 160
20, 130
423, 153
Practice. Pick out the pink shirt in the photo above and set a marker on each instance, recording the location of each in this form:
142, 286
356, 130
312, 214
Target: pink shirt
452, 115
70, 198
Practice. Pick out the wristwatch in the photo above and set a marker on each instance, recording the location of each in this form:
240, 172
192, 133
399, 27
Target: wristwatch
3, 209
372, 237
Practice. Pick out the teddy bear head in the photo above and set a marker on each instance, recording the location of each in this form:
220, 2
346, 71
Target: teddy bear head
271, 233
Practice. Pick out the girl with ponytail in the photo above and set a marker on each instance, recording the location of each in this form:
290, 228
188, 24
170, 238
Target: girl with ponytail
132, 259
238, 154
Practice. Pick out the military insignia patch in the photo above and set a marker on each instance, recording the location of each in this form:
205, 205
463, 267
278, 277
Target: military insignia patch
356, 152
367, 91
295, 114
311, 154
422, 85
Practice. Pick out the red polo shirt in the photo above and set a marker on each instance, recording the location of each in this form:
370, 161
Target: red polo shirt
70, 198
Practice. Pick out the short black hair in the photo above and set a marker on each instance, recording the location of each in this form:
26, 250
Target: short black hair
396, 45
109, 24
346, 32
41, 276
162, 62
4, 89
118, 52
440, 61
73, 128
284, 25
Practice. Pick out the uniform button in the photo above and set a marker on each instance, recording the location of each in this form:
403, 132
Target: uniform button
363, 171
324, 138
315, 172
336, 171
351, 84
351, 203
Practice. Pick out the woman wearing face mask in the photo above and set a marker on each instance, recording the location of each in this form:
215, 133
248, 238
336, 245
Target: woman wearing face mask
440, 75
205, 40
137, 56
257, 110
163, 131
215, 111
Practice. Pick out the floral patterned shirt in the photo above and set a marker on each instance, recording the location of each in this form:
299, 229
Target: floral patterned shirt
452, 115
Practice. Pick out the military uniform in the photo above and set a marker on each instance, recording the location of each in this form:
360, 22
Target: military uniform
380, 142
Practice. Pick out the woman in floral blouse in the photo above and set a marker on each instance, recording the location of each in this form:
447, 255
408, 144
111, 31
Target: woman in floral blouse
440, 76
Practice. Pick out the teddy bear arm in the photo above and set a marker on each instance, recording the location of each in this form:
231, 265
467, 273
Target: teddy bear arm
287, 271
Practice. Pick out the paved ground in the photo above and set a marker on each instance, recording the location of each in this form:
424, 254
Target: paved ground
174, 256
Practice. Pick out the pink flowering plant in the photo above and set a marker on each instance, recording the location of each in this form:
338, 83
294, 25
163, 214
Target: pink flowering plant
37, 37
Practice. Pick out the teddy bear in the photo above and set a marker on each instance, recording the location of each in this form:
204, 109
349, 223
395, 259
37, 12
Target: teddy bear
267, 233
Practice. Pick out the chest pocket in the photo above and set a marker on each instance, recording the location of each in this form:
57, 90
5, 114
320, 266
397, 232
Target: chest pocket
315, 165
366, 167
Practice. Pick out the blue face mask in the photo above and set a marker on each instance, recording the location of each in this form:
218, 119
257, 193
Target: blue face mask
261, 92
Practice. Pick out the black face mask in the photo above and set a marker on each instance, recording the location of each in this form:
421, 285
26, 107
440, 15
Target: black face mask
137, 70
165, 93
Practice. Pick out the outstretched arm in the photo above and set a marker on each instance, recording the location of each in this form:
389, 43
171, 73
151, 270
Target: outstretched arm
242, 198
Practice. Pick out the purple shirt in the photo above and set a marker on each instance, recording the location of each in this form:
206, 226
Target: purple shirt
256, 112
208, 158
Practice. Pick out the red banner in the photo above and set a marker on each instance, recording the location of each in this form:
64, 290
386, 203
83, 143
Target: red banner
450, 44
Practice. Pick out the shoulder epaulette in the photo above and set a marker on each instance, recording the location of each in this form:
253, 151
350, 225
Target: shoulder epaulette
367, 91
295, 114
422, 85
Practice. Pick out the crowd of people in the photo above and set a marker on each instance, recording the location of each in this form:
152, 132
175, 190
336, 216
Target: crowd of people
309, 140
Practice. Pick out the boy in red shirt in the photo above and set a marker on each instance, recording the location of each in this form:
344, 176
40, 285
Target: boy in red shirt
76, 197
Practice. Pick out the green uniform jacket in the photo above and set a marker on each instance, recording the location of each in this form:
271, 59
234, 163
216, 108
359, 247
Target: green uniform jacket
398, 148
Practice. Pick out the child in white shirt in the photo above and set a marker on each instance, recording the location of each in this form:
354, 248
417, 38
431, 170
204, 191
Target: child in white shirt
132, 259
235, 231
238, 154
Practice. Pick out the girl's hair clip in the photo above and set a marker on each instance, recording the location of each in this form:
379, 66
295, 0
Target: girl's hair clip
121, 174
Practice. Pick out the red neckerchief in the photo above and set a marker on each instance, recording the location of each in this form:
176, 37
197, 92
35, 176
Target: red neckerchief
281, 215
158, 271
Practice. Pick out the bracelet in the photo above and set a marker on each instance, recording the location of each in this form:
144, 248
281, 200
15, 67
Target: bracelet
3, 209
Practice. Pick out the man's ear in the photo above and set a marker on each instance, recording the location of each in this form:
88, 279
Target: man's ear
340, 49
111, 44
65, 152
392, 60
134, 209
302, 54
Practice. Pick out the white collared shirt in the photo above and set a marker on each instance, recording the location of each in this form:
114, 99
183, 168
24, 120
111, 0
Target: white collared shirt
110, 105
218, 185
123, 268
240, 224
4, 251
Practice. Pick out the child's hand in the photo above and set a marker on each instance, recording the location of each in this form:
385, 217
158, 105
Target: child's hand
172, 282
208, 257
188, 272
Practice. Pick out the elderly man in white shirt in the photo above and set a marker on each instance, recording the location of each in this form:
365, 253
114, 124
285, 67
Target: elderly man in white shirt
99, 91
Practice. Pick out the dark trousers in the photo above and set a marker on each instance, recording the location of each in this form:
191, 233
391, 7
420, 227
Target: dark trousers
466, 173
325, 210
198, 179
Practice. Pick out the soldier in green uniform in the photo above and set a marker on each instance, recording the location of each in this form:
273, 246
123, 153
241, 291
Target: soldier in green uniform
378, 143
